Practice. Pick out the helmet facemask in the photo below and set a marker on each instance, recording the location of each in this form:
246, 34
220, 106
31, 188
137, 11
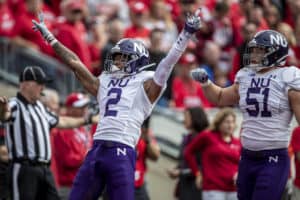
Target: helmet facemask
120, 63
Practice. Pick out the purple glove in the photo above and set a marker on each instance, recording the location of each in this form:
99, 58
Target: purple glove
199, 75
193, 22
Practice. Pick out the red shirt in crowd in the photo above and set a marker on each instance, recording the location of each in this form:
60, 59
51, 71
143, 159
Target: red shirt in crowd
295, 142
139, 33
141, 165
24, 29
74, 36
188, 94
219, 160
71, 146
7, 21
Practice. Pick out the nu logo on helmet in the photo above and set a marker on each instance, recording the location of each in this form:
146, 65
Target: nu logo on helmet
278, 39
138, 47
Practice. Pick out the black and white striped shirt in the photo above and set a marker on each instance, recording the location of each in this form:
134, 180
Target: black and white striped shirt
28, 130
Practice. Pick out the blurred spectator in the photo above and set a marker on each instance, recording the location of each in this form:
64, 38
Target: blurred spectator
256, 16
248, 31
297, 35
71, 31
146, 148
187, 92
51, 99
223, 37
25, 35
239, 12
291, 12
138, 15
4, 189
222, 25
71, 144
7, 21
97, 39
272, 16
295, 143
211, 63
288, 32
115, 33
160, 17
218, 175
110, 9
156, 54
205, 33
195, 121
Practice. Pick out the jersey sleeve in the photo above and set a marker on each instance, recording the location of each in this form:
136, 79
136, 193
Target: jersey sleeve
291, 77
239, 75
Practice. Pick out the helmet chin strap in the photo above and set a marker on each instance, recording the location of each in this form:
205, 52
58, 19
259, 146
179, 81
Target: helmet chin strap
256, 67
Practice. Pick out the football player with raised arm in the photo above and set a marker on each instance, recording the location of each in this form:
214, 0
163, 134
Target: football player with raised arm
268, 94
126, 96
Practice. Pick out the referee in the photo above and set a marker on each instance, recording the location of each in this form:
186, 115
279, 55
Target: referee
28, 123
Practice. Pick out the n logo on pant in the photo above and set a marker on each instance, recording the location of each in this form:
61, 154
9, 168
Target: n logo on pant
273, 158
121, 151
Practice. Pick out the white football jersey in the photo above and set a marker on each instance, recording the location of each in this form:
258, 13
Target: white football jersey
124, 106
265, 106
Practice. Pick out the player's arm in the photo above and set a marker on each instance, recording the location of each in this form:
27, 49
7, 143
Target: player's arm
5, 111
219, 96
75, 122
89, 82
154, 86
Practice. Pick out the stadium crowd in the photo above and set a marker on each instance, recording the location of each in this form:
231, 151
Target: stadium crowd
90, 28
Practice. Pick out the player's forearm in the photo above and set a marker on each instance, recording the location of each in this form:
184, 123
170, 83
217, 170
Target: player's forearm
213, 93
70, 122
89, 82
166, 66
66, 55
153, 151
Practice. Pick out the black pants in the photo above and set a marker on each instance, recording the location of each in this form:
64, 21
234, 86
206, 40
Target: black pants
4, 189
32, 182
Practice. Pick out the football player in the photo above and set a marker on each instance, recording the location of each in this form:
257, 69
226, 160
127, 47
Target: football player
267, 92
126, 96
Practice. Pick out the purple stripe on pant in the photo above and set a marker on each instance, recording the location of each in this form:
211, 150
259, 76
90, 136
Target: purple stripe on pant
109, 164
262, 174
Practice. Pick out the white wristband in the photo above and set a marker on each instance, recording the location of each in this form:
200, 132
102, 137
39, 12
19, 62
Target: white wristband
53, 42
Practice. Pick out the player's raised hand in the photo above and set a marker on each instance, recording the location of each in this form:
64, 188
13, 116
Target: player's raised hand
193, 22
199, 75
42, 28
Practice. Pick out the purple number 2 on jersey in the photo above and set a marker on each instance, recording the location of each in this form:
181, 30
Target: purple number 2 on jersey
253, 101
112, 101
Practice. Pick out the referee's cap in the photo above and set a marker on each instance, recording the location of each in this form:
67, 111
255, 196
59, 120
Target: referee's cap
34, 73
77, 100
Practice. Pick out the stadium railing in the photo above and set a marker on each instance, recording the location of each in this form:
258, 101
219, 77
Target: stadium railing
13, 59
